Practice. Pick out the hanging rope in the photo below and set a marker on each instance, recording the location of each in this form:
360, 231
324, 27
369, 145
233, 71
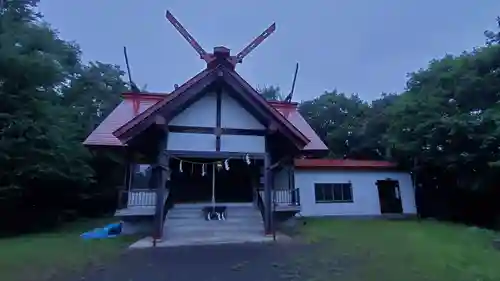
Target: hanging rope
203, 163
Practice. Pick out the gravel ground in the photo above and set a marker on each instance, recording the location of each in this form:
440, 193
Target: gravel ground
229, 262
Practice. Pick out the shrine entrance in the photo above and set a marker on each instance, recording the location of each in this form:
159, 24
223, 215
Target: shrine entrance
196, 180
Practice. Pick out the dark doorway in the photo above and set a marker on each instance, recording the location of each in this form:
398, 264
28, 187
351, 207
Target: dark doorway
389, 196
233, 185
188, 184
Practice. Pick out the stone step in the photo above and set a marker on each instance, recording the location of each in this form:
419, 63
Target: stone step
207, 228
186, 219
178, 227
228, 219
234, 211
228, 216
199, 206
225, 222
214, 222
228, 211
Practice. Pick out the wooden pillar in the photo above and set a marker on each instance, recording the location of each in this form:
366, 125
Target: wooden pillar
123, 191
218, 118
160, 172
128, 179
267, 194
291, 182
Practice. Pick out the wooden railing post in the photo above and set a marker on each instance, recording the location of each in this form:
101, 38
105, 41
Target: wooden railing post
267, 195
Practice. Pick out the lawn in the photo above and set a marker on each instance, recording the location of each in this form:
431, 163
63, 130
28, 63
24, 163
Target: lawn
398, 250
46, 255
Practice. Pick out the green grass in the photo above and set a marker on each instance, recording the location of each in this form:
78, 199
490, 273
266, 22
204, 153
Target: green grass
45, 255
399, 250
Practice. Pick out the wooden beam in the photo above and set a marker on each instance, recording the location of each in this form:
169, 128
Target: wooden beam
275, 165
192, 129
280, 162
213, 154
218, 120
216, 131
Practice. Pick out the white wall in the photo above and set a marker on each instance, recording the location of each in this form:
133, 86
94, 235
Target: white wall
190, 142
234, 116
244, 144
202, 113
364, 192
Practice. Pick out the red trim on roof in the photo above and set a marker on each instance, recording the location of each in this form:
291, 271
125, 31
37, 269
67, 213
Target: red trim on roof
150, 111
342, 164
145, 96
145, 115
126, 114
283, 119
283, 104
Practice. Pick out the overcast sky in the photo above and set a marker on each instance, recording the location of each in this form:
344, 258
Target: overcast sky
356, 46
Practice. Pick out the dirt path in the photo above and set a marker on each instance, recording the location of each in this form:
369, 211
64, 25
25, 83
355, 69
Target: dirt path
242, 262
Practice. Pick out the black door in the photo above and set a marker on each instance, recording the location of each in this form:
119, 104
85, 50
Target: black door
389, 196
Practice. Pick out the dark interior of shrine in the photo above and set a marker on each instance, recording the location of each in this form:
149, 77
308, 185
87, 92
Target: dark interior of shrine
191, 180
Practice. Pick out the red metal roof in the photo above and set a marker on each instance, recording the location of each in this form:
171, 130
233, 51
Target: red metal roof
135, 120
342, 164
291, 113
271, 109
124, 113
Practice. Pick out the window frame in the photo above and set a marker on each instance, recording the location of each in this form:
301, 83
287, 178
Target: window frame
134, 169
330, 187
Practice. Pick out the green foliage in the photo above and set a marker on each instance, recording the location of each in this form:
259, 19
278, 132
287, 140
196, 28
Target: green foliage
445, 127
351, 127
398, 250
272, 93
50, 103
448, 118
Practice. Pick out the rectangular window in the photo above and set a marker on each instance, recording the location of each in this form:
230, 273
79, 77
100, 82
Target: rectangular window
141, 176
333, 192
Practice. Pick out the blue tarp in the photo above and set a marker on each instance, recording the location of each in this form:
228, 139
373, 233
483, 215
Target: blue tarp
109, 231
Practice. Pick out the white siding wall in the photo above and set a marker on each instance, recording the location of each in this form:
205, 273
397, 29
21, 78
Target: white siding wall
244, 144
234, 116
202, 113
191, 142
364, 191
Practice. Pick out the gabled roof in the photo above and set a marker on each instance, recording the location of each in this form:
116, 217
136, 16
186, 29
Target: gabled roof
195, 87
206, 75
124, 122
123, 113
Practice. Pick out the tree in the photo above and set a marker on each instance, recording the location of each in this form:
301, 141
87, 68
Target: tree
50, 102
491, 36
338, 119
272, 93
445, 128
